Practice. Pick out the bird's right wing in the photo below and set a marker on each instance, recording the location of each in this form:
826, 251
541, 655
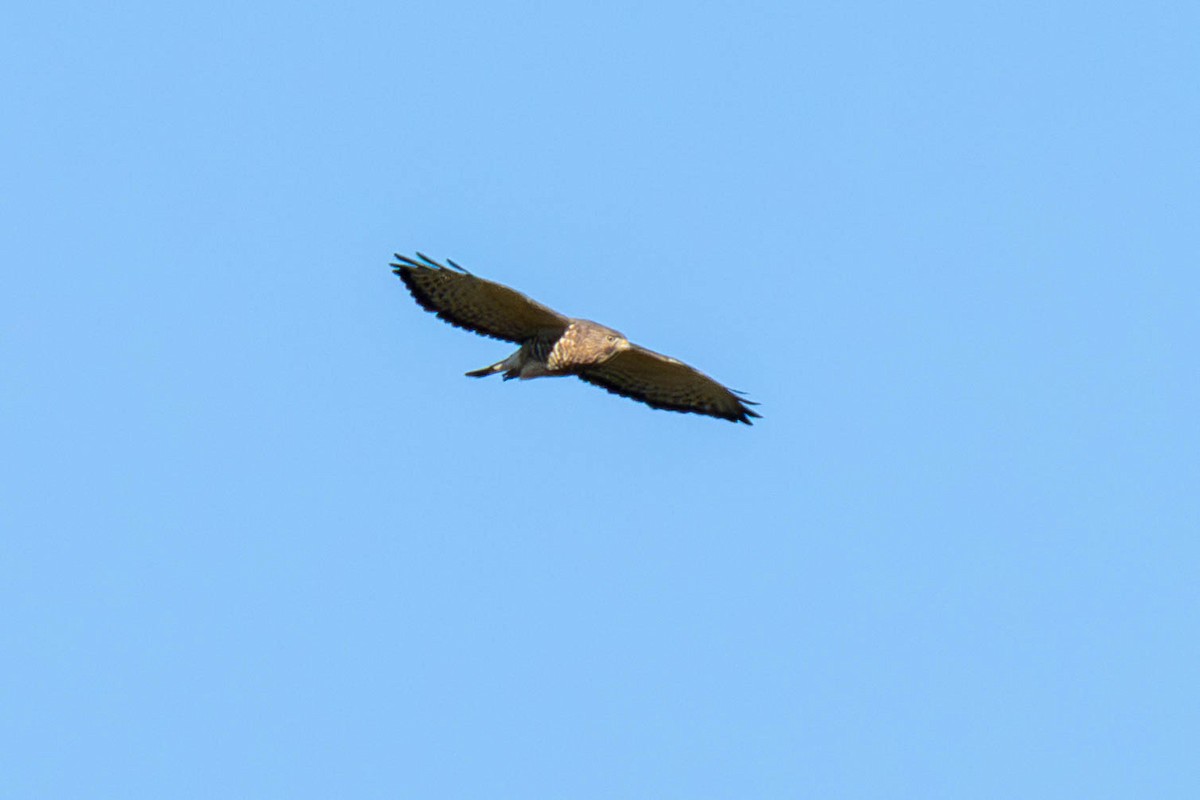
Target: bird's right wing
663, 382
478, 305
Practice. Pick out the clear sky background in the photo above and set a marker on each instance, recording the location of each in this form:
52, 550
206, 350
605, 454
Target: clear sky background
261, 538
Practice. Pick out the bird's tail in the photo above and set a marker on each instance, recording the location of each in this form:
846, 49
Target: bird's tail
499, 366
511, 367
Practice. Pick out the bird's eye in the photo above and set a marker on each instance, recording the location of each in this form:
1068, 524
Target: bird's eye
611, 338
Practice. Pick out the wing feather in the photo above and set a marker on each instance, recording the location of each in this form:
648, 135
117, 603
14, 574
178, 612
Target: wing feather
478, 305
663, 382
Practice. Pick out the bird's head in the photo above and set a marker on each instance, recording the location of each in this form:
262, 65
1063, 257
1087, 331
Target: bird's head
600, 343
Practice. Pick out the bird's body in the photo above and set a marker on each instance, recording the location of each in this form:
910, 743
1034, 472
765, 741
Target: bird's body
552, 344
582, 344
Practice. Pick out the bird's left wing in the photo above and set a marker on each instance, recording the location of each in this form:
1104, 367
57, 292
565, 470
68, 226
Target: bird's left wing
478, 305
663, 382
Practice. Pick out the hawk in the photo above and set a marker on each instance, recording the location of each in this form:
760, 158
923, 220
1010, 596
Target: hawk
552, 344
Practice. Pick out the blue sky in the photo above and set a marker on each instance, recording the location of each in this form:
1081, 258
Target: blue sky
263, 539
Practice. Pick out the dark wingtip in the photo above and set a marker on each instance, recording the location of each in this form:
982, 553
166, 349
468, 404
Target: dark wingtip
458, 267
403, 262
746, 413
742, 415
429, 262
425, 262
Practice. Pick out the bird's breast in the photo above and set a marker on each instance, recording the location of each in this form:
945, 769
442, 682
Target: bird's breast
561, 352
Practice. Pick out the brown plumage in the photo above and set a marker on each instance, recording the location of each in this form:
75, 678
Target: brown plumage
553, 344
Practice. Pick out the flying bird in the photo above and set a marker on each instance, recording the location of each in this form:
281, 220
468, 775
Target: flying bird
552, 344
